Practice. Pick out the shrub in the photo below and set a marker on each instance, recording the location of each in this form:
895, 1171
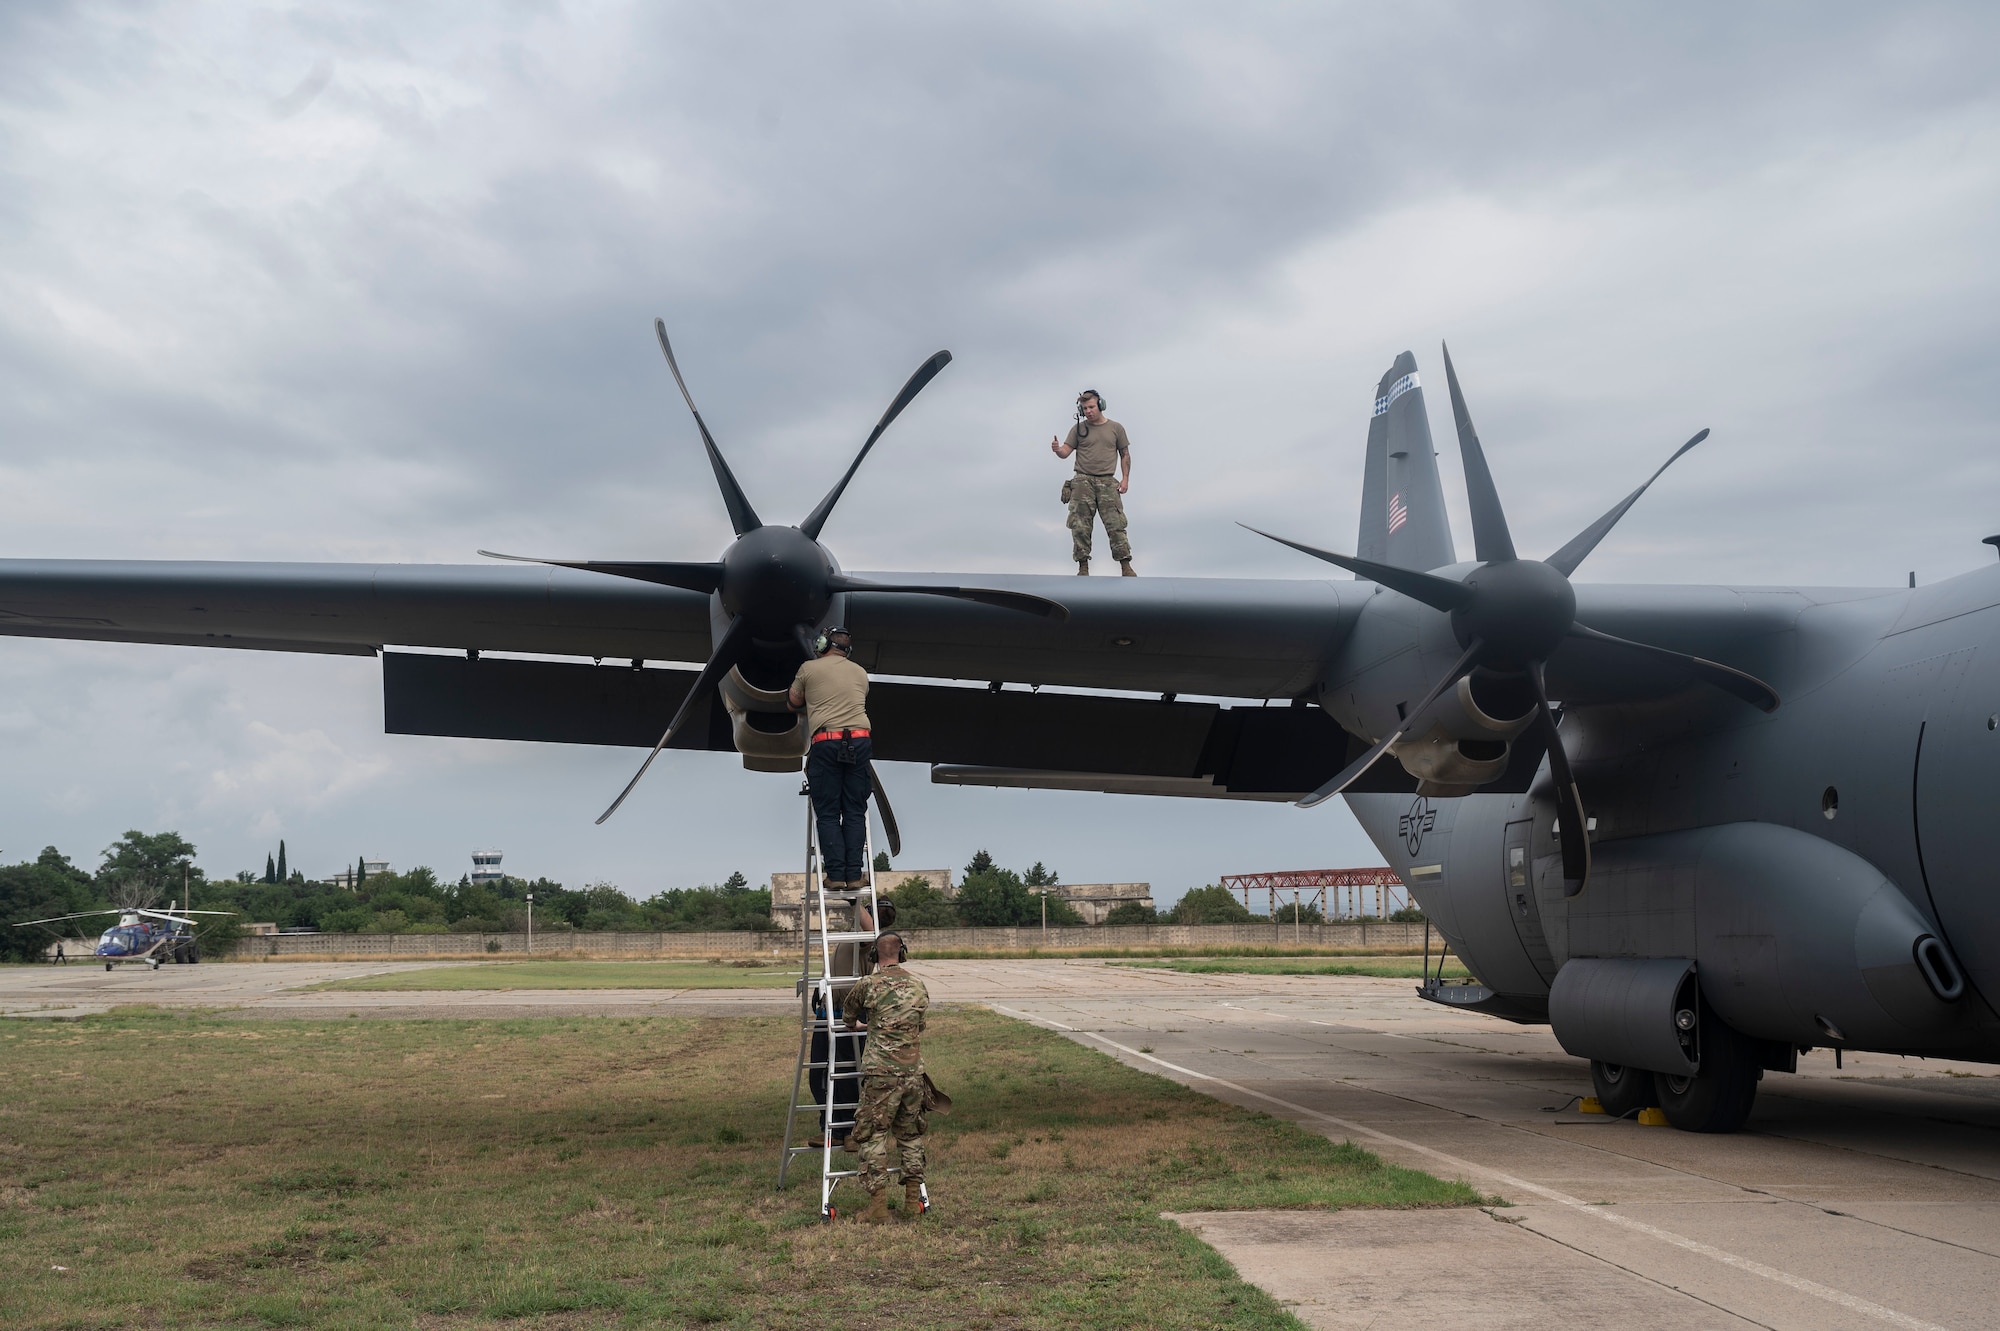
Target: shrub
1213, 904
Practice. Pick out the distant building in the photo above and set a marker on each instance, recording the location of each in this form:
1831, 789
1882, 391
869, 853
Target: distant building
486, 866
260, 929
345, 878
789, 889
1094, 901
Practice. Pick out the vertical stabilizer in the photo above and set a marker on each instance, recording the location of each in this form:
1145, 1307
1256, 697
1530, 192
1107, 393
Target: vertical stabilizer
1402, 503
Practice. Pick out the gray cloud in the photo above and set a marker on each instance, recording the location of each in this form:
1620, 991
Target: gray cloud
402, 312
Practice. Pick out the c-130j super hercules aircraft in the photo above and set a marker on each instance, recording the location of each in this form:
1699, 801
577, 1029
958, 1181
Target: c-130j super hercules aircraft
1688, 880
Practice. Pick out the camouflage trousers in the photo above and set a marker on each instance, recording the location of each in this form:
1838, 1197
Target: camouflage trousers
891, 1112
1097, 497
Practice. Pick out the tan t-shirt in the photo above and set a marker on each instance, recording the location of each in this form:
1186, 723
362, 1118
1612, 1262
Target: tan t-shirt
836, 693
1098, 453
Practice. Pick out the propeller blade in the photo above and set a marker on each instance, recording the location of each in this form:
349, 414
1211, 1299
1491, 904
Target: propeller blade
1565, 560
1354, 770
734, 640
1491, 541
79, 915
694, 577
1025, 602
888, 814
925, 373
1435, 592
1736, 683
741, 516
1570, 823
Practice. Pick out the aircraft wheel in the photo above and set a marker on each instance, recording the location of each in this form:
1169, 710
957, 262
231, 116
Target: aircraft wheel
1621, 1090
107, 965
1719, 1099
194, 954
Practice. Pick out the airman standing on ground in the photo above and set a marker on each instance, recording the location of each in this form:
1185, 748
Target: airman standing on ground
1100, 446
890, 1005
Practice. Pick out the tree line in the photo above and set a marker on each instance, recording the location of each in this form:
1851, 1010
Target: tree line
158, 868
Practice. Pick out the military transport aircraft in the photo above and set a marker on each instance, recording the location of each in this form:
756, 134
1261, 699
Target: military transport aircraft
1696, 829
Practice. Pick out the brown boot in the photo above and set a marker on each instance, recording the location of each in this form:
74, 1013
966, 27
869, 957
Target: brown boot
1083, 568
878, 1209
913, 1201
1125, 569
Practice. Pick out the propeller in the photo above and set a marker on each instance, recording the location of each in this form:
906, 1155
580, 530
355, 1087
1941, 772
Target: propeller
889, 828
1510, 614
775, 584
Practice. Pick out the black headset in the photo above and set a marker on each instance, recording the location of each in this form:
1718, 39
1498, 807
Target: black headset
825, 640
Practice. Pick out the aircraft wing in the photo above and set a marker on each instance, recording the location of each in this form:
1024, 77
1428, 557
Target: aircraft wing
1241, 638
1228, 638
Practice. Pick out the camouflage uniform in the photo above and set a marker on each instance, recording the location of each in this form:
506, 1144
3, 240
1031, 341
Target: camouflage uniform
1097, 496
892, 1002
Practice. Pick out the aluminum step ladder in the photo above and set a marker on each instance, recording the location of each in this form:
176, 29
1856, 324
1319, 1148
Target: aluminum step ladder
828, 1053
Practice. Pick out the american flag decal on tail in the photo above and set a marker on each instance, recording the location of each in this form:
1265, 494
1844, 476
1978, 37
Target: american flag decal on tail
1399, 512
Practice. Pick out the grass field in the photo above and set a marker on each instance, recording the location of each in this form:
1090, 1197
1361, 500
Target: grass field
1393, 967
168, 1171
581, 975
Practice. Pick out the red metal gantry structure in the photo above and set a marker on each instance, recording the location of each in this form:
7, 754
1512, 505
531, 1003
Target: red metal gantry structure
1349, 889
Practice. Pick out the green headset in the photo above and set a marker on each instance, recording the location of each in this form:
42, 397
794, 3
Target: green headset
825, 639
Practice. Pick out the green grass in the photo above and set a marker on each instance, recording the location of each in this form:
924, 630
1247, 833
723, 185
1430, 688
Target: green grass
775, 974
1409, 968
609, 1172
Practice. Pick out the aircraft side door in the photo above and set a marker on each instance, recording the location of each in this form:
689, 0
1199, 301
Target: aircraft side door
1517, 879
1957, 808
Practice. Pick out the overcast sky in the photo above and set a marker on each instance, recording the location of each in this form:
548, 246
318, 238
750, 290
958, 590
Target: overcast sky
374, 282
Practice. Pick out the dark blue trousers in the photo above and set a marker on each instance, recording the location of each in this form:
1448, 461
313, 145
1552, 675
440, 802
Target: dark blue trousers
838, 772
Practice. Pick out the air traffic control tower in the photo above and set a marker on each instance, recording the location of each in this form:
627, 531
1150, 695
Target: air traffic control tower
486, 866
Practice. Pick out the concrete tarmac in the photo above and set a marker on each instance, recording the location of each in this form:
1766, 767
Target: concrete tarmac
1861, 1197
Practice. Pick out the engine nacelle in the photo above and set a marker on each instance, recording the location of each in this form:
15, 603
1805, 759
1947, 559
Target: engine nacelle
1463, 741
766, 731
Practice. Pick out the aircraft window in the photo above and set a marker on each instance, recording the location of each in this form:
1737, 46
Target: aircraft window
1993, 722
1517, 866
1829, 803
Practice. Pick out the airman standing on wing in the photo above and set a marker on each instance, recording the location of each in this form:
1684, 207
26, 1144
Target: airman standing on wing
1100, 446
890, 1005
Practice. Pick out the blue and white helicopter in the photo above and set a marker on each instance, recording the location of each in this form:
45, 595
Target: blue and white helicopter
141, 935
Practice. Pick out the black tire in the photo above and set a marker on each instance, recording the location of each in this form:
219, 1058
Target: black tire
1720, 1098
194, 954
1622, 1091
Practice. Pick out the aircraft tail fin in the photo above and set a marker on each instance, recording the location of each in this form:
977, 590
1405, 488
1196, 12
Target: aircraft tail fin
1402, 501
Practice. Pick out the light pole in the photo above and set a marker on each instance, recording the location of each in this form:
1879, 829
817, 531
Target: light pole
531, 924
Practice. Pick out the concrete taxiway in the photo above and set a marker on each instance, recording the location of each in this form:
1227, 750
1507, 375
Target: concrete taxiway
1861, 1197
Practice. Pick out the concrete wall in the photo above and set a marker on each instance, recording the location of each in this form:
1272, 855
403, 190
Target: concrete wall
745, 943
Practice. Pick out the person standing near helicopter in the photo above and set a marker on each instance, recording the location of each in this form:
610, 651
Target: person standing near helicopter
1101, 448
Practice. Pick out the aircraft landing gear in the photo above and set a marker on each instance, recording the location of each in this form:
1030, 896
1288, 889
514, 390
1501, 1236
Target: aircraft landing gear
1621, 1090
108, 966
1719, 1098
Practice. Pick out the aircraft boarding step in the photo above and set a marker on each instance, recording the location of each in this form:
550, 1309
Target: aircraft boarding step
826, 1086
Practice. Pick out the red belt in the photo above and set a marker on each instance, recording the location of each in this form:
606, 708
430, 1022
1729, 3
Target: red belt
840, 734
